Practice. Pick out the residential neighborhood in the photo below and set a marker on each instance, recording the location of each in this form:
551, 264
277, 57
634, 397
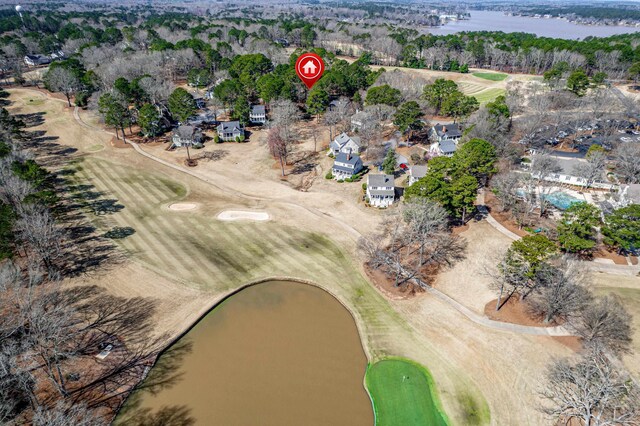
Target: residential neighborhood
319, 213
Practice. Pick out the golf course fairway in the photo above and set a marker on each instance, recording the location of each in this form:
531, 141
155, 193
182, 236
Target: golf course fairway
403, 393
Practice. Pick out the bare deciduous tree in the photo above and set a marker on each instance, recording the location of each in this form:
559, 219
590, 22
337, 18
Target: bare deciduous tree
627, 163
591, 170
278, 146
561, 290
605, 323
542, 167
284, 114
505, 187
63, 80
37, 228
67, 414
591, 391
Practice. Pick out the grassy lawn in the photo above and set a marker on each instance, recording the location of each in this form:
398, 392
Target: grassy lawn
489, 95
493, 76
403, 394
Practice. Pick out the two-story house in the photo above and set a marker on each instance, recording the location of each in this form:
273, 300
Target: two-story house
446, 132
344, 143
189, 136
445, 139
230, 131
346, 165
416, 173
380, 190
258, 114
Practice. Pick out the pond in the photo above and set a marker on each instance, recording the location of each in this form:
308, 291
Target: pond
277, 353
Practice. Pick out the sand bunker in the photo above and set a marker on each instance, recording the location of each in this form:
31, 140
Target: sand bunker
180, 207
230, 215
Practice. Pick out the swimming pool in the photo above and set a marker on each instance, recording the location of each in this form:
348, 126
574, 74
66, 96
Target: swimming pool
561, 200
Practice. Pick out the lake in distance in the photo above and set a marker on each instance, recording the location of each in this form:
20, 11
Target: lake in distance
485, 20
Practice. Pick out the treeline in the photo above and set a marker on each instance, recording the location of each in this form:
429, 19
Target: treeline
619, 13
49, 333
518, 52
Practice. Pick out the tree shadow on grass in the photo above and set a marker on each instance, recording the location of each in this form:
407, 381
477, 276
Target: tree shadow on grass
121, 328
31, 120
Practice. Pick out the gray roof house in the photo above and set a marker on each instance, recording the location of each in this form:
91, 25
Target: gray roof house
230, 130
442, 132
416, 173
344, 143
346, 165
258, 114
33, 60
187, 136
380, 190
445, 148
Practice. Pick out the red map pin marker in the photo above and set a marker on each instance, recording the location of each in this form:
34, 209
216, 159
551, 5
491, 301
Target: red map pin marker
309, 68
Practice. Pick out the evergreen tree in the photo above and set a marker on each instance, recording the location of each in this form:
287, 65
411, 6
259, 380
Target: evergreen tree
408, 117
577, 229
389, 163
622, 228
182, 106
578, 82
384, 94
241, 110
115, 111
150, 120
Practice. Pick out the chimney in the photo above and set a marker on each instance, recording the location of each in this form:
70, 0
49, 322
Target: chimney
444, 129
349, 155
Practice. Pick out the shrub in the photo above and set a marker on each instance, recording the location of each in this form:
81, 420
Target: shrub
82, 98
364, 187
216, 139
329, 175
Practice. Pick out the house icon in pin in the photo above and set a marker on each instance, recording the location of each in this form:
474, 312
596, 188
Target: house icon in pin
309, 68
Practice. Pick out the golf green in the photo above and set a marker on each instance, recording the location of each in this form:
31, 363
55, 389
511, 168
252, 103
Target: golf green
403, 393
493, 76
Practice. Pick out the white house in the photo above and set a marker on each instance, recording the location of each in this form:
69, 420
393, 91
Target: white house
346, 165
344, 143
380, 190
258, 114
416, 173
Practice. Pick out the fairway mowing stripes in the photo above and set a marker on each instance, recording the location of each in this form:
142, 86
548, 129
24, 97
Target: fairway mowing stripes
287, 252
258, 261
201, 245
147, 234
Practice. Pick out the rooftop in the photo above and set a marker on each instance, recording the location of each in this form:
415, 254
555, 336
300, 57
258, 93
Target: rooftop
229, 126
343, 157
343, 138
418, 171
375, 181
448, 129
448, 147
